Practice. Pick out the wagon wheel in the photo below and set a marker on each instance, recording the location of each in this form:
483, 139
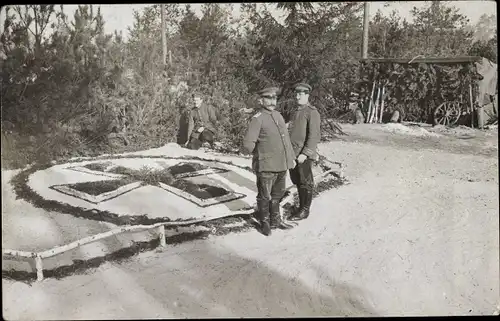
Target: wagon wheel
447, 113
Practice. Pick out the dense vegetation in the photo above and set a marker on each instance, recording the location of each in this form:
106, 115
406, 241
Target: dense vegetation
78, 91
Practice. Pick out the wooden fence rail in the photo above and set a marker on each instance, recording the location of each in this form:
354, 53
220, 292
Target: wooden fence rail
16, 254
38, 256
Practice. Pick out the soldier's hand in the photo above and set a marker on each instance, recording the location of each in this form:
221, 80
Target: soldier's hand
301, 158
246, 110
200, 129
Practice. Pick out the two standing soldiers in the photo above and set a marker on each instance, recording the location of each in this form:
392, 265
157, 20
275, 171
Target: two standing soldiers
277, 150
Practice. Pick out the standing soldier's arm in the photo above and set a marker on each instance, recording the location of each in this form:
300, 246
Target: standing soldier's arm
252, 135
290, 154
313, 134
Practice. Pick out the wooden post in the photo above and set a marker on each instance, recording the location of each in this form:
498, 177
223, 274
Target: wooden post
471, 105
163, 36
370, 104
382, 105
39, 268
366, 22
376, 105
161, 234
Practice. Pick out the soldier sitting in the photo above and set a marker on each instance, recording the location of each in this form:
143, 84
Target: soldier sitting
204, 120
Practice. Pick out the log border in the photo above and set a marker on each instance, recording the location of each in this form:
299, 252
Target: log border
159, 227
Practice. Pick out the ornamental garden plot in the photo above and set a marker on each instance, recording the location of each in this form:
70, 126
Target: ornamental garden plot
90, 196
145, 189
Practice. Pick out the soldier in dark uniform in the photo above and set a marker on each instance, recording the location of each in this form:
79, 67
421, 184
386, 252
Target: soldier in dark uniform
268, 140
305, 134
204, 123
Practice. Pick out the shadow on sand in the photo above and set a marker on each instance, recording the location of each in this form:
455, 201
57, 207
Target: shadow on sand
86, 266
197, 280
222, 283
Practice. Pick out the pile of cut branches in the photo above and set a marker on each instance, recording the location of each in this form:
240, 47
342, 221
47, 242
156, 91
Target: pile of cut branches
415, 90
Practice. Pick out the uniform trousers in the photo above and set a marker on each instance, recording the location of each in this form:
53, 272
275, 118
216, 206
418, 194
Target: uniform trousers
302, 175
197, 139
270, 186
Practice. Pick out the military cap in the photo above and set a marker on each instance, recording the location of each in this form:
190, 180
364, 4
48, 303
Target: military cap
353, 96
268, 91
302, 86
196, 93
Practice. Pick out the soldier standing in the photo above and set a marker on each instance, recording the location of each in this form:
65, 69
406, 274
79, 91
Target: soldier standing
268, 140
305, 134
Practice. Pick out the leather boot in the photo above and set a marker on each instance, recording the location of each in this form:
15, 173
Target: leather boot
303, 211
276, 221
263, 206
302, 193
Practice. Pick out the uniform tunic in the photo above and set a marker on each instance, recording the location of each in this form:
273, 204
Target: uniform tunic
269, 142
205, 116
305, 131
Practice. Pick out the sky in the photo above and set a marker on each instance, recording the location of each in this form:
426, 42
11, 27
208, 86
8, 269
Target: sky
119, 17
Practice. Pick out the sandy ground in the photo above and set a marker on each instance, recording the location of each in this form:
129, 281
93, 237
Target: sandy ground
416, 232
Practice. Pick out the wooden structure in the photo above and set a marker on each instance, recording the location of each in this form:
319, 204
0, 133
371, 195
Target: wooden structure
448, 111
430, 60
39, 256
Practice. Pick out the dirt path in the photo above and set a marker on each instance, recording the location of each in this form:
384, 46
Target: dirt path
417, 136
415, 233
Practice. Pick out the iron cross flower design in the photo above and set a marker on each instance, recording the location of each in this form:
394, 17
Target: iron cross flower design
174, 179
